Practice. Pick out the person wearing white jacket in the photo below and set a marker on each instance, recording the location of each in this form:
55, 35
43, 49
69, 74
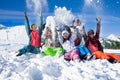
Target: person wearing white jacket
71, 53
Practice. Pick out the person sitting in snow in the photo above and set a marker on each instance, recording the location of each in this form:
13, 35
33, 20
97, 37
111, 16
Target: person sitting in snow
68, 45
71, 51
84, 53
94, 45
34, 38
51, 46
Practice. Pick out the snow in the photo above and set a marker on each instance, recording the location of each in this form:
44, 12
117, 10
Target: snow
63, 16
36, 67
113, 37
117, 51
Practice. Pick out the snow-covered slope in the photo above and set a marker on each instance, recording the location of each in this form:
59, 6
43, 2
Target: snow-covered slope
36, 67
13, 38
16, 34
33, 67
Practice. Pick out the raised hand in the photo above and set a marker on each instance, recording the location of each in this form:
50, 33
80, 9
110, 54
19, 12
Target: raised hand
98, 19
25, 14
40, 14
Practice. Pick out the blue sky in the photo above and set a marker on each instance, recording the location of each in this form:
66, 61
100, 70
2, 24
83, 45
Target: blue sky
11, 12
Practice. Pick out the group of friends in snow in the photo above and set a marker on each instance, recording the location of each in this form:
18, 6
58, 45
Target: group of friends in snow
71, 41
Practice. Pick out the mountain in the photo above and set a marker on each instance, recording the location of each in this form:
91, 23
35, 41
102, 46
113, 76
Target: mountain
2, 26
113, 37
111, 42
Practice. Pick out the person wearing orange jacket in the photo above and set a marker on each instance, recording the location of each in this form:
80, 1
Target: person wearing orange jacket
34, 38
95, 47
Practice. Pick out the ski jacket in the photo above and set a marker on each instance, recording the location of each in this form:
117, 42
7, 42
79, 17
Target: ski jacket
67, 45
35, 38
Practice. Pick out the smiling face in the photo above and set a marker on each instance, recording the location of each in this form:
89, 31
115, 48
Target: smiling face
65, 35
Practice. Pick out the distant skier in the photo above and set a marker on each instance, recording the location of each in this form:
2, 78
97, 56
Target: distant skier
34, 38
94, 45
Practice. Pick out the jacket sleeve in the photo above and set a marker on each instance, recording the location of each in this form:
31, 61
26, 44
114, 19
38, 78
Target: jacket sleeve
84, 34
40, 26
98, 31
27, 26
74, 34
60, 38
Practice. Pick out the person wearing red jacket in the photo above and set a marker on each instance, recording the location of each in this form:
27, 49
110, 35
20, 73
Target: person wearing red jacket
94, 45
34, 38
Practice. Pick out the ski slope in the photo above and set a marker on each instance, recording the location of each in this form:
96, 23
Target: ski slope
36, 67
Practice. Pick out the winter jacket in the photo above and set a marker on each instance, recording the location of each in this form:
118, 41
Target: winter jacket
94, 44
67, 45
35, 38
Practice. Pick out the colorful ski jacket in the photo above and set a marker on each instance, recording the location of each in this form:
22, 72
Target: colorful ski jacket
67, 45
35, 38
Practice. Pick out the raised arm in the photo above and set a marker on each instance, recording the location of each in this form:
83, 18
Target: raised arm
59, 33
40, 26
98, 27
84, 34
27, 26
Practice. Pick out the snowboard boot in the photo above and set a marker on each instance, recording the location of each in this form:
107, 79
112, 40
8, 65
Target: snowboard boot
89, 57
111, 60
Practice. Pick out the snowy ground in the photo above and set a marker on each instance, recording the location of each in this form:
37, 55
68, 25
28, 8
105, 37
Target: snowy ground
35, 67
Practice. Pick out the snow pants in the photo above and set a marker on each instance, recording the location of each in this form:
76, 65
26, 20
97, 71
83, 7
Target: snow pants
30, 49
83, 51
101, 55
72, 55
